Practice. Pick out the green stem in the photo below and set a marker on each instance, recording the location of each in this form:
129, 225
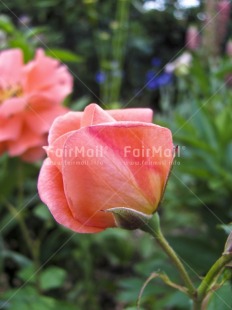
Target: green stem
20, 177
210, 277
32, 245
118, 48
153, 228
15, 214
197, 305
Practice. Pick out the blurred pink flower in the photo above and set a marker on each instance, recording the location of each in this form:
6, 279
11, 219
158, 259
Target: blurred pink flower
223, 18
30, 99
193, 39
229, 48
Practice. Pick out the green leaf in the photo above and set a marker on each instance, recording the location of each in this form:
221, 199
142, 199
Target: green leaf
42, 212
6, 24
20, 259
32, 32
221, 299
130, 289
81, 103
27, 274
52, 277
194, 142
27, 298
20, 42
44, 4
3, 165
177, 300
64, 55
227, 228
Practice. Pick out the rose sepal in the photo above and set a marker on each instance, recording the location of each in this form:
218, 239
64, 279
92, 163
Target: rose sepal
129, 218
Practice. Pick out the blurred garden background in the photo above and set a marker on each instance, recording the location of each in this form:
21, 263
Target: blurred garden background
174, 56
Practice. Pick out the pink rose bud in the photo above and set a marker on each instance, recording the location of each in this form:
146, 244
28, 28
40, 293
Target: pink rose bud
30, 99
105, 168
192, 38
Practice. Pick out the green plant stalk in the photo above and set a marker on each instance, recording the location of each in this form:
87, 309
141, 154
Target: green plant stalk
101, 45
210, 277
118, 49
104, 87
153, 228
20, 176
111, 52
88, 272
33, 246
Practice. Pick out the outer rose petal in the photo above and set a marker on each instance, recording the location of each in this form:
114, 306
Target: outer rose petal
63, 124
9, 58
56, 150
137, 115
50, 187
93, 115
147, 149
99, 176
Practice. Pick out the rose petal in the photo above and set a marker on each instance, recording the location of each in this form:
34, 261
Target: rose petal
137, 115
94, 115
147, 149
50, 188
63, 124
56, 150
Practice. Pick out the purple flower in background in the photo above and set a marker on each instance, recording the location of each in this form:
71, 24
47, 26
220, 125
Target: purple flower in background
156, 62
154, 81
165, 79
152, 84
151, 80
150, 75
100, 77
25, 20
